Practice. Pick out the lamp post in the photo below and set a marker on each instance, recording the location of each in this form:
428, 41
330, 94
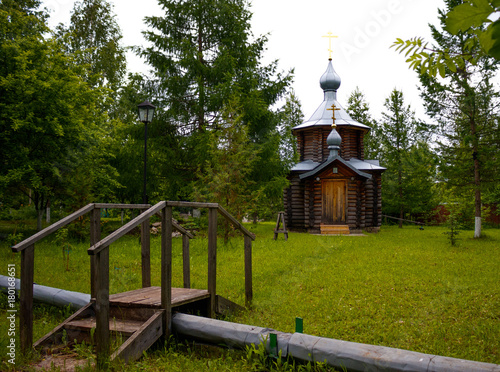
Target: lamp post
146, 111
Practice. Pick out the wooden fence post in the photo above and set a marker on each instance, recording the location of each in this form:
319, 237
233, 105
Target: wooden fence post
166, 269
26, 306
102, 308
95, 236
248, 271
146, 253
212, 259
186, 261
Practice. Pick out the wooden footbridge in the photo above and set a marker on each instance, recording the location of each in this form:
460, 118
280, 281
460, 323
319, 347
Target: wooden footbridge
138, 317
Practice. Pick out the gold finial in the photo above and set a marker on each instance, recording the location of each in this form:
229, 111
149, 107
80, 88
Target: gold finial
333, 109
330, 36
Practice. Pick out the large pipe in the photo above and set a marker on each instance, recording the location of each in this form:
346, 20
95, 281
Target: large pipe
341, 354
49, 295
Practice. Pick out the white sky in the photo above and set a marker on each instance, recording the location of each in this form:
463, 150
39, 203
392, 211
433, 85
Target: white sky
361, 54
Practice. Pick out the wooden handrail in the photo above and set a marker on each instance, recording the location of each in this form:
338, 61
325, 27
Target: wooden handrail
122, 206
179, 228
235, 222
50, 229
191, 204
117, 234
222, 211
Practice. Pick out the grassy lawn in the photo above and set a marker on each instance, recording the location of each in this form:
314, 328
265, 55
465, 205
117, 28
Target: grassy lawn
402, 288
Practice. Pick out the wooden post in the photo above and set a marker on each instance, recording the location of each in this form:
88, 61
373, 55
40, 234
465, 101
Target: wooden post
248, 271
26, 316
102, 308
166, 269
95, 236
186, 261
212, 259
145, 254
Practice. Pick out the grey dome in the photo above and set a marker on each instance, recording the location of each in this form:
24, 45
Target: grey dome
330, 81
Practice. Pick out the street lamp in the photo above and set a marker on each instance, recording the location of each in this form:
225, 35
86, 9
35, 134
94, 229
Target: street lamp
146, 111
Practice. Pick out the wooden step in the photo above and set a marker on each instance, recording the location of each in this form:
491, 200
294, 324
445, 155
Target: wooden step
335, 229
125, 326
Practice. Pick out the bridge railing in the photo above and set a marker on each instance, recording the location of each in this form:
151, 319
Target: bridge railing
99, 262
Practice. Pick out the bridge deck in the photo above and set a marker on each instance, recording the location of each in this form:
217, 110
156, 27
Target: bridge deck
151, 297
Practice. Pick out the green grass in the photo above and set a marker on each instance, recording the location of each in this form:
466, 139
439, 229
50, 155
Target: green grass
402, 288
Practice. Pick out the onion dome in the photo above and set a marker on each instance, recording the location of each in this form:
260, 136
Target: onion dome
334, 140
330, 81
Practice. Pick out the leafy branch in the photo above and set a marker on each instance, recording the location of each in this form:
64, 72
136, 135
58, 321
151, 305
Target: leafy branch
432, 61
471, 18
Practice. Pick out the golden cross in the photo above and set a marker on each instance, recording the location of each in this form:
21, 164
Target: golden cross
333, 109
330, 36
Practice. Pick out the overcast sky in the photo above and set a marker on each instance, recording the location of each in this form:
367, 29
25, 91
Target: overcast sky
361, 55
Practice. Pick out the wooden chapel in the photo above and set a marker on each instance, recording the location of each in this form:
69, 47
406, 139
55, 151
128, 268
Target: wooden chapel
333, 189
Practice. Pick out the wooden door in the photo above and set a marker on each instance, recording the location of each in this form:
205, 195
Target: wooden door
333, 196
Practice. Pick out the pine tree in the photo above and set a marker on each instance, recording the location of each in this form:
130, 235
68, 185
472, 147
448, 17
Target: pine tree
359, 110
465, 106
399, 139
203, 56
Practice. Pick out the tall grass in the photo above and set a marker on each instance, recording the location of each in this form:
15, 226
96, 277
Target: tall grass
403, 288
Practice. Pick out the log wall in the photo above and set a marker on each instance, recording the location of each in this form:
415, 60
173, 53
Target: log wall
294, 204
312, 143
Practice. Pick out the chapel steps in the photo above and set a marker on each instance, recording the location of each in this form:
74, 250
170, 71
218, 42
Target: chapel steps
335, 230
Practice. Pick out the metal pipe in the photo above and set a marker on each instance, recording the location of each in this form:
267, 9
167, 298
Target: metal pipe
341, 354
337, 353
49, 295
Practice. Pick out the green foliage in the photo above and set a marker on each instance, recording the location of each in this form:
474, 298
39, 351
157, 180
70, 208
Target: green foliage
61, 240
359, 110
465, 104
453, 226
470, 20
225, 177
291, 115
426, 60
94, 36
411, 164
50, 117
473, 17
205, 62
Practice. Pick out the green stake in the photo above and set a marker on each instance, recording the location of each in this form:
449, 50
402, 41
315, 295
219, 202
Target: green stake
299, 325
273, 345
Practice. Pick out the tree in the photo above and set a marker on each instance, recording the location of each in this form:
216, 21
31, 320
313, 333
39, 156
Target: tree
225, 177
359, 110
94, 36
465, 106
47, 111
399, 144
203, 57
290, 116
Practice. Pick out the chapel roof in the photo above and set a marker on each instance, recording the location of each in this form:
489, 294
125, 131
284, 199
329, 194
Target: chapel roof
360, 166
330, 82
